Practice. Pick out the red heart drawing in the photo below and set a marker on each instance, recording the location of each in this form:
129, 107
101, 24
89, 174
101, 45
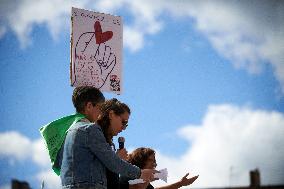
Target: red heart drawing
101, 37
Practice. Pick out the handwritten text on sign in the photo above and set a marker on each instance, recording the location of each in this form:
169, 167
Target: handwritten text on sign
96, 50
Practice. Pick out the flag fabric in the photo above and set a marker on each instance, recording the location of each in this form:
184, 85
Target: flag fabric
54, 135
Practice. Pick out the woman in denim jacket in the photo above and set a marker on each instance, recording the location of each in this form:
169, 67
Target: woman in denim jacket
87, 152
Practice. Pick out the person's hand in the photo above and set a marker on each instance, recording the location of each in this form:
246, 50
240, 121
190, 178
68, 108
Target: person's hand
148, 174
122, 153
187, 181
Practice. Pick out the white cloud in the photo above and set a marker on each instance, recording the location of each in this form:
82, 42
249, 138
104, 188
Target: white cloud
146, 22
8, 186
51, 180
133, 39
248, 33
108, 5
15, 145
40, 155
2, 31
21, 16
19, 147
229, 143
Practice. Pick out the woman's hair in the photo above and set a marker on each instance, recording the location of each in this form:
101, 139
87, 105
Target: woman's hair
104, 121
140, 156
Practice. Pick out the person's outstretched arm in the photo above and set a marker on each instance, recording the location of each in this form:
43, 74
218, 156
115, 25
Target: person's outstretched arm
139, 186
183, 182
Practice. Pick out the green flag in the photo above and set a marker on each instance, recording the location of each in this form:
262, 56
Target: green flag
54, 135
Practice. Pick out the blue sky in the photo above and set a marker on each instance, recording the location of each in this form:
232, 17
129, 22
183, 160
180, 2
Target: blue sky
204, 80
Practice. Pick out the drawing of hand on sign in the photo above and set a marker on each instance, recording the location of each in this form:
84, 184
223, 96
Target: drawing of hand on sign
94, 59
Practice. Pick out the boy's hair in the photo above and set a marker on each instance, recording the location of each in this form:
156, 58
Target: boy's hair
84, 94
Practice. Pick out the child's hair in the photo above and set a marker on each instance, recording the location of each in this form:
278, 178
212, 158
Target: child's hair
140, 156
82, 95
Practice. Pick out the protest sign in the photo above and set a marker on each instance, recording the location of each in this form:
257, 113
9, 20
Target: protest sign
96, 50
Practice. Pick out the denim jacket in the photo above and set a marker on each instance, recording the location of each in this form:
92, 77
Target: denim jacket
87, 155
